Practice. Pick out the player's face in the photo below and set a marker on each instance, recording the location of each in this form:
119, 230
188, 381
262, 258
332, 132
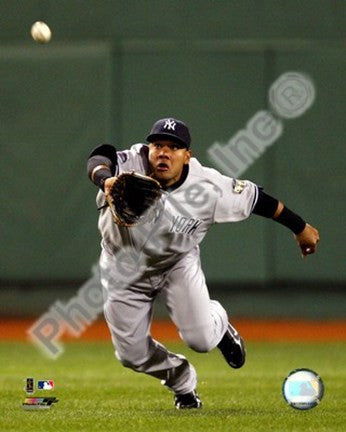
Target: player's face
167, 160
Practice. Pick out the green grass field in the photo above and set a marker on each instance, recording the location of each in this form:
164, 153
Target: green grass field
97, 394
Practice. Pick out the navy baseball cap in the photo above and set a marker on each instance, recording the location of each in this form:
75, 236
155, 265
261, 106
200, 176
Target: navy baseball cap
170, 129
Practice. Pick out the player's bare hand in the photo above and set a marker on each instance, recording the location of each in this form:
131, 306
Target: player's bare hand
108, 184
307, 240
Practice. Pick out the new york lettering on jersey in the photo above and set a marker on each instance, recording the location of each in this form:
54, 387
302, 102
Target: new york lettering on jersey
182, 224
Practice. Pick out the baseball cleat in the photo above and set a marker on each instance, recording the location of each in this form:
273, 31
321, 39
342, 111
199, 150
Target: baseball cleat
232, 347
187, 401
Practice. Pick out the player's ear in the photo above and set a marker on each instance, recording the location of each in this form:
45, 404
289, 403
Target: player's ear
188, 155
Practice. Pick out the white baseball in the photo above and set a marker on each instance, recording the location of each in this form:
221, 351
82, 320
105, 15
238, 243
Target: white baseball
40, 32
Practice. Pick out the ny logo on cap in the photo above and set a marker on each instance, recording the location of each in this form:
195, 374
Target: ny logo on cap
170, 124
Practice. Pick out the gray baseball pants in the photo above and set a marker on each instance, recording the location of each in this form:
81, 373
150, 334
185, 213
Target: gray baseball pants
128, 311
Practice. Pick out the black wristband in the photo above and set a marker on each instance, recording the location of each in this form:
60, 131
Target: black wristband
291, 220
105, 152
266, 205
100, 177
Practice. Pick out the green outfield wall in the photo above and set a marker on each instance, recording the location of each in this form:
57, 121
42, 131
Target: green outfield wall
113, 68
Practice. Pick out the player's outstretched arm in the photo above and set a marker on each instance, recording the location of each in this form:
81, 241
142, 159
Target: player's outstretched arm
306, 235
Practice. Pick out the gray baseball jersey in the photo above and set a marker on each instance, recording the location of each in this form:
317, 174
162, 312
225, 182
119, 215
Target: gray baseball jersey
182, 217
162, 255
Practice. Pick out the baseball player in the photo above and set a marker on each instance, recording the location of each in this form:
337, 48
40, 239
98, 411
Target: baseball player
161, 253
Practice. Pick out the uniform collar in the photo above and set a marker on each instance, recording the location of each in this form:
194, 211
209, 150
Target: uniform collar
175, 185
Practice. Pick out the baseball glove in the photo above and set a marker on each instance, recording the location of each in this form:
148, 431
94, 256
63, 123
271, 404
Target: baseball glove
131, 195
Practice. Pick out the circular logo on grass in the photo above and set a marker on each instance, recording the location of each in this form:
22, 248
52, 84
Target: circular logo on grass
303, 389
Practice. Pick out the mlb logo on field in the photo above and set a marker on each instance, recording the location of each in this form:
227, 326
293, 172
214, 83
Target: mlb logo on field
45, 385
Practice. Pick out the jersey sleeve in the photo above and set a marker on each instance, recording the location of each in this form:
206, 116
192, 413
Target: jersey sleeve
136, 158
236, 199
